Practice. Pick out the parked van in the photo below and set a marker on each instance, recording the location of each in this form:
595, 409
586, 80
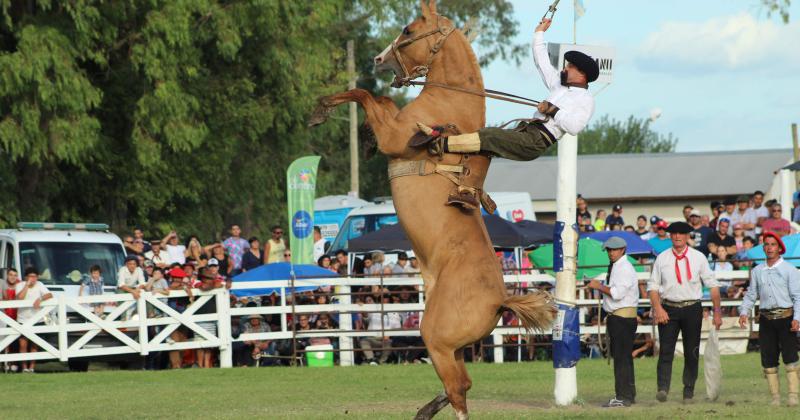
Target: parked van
62, 252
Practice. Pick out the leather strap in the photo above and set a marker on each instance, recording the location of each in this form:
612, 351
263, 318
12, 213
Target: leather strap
681, 304
422, 168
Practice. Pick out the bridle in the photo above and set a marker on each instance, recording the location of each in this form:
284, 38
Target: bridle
419, 71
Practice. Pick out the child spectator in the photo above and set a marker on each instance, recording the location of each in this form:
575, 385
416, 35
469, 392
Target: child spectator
600, 221
95, 286
30, 289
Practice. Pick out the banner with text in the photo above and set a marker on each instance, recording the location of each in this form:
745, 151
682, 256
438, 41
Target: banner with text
301, 185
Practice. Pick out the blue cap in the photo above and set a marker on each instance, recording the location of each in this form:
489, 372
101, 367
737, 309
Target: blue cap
615, 242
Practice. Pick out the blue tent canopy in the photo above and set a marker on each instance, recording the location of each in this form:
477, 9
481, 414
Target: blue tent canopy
280, 271
636, 246
792, 243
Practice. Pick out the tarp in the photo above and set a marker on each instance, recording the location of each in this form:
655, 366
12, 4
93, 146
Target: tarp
636, 245
502, 233
792, 254
590, 254
280, 271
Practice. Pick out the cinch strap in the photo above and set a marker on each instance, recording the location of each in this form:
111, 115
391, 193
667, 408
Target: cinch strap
678, 269
420, 168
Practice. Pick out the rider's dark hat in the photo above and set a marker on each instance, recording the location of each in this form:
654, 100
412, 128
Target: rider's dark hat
679, 227
584, 63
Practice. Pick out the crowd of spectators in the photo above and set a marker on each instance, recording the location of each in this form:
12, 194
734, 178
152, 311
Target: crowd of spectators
724, 234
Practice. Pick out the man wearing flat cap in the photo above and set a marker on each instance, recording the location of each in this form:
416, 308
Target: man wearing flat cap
567, 109
776, 284
675, 288
620, 299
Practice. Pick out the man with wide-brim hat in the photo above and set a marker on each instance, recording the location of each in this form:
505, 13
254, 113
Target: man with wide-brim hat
676, 288
776, 284
620, 299
567, 109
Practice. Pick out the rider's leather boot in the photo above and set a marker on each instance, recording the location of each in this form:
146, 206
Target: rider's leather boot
469, 194
438, 142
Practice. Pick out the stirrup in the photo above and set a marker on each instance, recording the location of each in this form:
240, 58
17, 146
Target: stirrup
465, 199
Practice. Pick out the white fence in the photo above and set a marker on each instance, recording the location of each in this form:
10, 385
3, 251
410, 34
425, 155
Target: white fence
64, 328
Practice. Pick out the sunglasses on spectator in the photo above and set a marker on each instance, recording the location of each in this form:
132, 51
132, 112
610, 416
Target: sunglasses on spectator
287, 255
278, 232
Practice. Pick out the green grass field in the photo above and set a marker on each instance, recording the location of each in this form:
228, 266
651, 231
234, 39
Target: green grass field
508, 391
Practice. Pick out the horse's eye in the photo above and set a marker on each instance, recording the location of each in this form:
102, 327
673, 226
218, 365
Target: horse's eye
406, 31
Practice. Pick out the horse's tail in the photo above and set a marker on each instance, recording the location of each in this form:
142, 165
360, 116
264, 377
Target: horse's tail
536, 311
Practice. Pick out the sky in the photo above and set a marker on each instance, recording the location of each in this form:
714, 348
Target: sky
724, 75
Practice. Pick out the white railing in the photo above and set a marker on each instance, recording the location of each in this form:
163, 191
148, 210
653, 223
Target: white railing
64, 327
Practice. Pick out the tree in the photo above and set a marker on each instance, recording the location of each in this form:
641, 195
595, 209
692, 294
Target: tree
608, 135
779, 7
185, 114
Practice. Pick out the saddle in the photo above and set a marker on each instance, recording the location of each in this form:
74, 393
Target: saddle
466, 171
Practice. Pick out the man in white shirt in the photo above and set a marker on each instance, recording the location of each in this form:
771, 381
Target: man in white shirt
378, 322
30, 289
620, 299
319, 243
130, 278
744, 215
567, 109
761, 211
675, 288
158, 256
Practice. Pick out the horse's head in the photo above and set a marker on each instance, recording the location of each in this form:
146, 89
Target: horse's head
410, 55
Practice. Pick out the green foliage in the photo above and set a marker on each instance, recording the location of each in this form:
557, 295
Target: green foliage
608, 135
185, 114
778, 7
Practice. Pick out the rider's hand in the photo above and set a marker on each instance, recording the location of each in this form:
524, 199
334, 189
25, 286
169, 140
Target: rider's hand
795, 325
660, 315
743, 321
544, 25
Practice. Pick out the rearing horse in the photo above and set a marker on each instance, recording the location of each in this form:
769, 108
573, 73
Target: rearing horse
464, 289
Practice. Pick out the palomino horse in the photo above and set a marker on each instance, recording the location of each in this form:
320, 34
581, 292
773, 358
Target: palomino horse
465, 293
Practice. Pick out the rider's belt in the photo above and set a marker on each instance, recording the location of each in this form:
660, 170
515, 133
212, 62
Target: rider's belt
546, 134
629, 312
776, 313
681, 304
421, 168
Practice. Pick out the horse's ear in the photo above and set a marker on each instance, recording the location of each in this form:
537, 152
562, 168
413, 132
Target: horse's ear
426, 9
432, 6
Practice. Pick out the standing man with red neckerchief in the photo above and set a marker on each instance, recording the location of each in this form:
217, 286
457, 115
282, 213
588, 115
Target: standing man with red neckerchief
676, 288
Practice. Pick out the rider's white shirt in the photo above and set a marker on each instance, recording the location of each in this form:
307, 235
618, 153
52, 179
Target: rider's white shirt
576, 105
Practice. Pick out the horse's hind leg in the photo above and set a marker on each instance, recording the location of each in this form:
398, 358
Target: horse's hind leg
451, 374
466, 382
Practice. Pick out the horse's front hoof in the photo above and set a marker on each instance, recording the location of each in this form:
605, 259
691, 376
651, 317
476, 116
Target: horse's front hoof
321, 112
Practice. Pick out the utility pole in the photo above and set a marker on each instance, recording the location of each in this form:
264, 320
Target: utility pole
351, 73
796, 153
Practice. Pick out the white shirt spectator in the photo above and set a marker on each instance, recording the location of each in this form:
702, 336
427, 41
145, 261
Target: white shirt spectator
391, 321
664, 280
749, 216
176, 253
126, 278
624, 286
160, 260
36, 292
319, 249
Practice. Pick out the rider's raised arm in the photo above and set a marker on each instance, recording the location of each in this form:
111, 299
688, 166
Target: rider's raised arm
549, 73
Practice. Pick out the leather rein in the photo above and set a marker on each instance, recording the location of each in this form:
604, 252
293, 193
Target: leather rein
422, 71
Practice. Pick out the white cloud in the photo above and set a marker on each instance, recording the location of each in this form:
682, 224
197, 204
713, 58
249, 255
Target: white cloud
729, 43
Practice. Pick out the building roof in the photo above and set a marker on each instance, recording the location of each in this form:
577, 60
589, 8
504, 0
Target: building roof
647, 175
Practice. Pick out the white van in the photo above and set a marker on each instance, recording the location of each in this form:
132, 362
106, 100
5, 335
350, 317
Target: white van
62, 252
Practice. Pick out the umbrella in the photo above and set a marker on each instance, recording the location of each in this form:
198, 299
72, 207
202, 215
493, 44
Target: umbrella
280, 271
537, 232
503, 234
590, 253
636, 246
792, 243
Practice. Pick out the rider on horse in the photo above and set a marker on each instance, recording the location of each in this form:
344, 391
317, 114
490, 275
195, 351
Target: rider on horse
568, 108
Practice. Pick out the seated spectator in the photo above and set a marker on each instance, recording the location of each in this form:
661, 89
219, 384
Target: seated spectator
641, 228
341, 258
30, 290
720, 262
158, 256
413, 265
325, 262
130, 278
741, 261
287, 255
614, 221
775, 223
661, 242
176, 251
378, 258
198, 252
367, 264
721, 238
600, 221
223, 261
208, 282
630, 229
586, 225
94, 286
178, 304
258, 347
402, 263
699, 236
738, 237
252, 258
376, 322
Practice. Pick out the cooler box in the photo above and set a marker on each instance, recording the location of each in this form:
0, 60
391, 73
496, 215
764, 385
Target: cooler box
319, 356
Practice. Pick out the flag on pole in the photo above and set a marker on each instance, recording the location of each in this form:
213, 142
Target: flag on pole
579, 9
301, 186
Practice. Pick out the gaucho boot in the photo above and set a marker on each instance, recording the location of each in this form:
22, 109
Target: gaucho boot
774, 385
794, 383
469, 194
438, 142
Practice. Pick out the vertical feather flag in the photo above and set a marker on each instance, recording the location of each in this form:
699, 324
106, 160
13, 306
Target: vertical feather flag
580, 10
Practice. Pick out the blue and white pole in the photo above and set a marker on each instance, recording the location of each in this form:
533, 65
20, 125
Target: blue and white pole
566, 330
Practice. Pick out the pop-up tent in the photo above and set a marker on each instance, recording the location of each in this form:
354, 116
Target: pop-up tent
282, 271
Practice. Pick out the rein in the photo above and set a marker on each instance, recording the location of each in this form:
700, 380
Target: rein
487, 93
